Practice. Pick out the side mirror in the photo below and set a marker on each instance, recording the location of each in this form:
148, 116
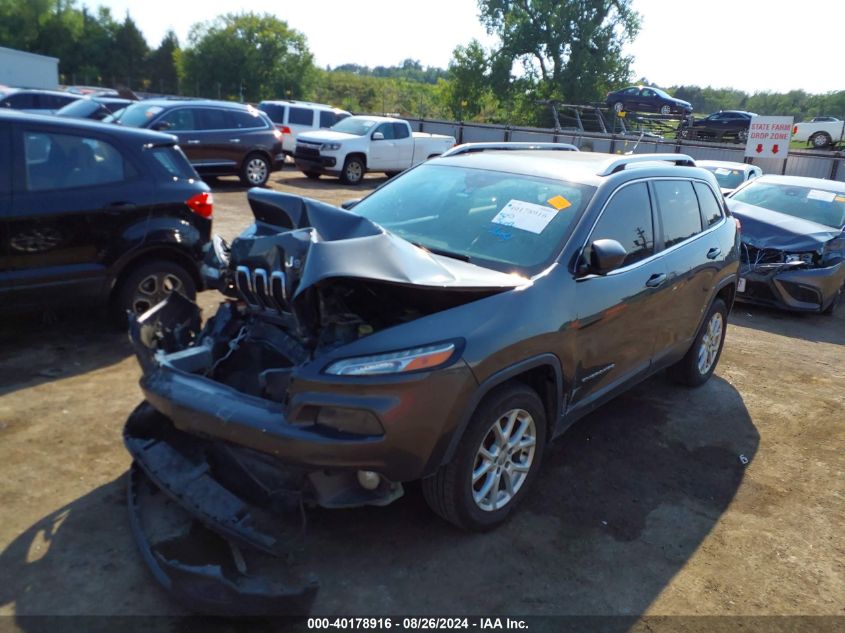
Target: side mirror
605, 256
160, 126
348, 204
378, 136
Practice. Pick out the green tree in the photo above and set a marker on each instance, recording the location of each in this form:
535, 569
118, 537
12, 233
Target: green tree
129, 54
468, 85
573, 48
161, 64
248, 57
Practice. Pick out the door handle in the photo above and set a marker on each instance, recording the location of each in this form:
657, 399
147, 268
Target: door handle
655, 280
234, 140
193, 142
714, 252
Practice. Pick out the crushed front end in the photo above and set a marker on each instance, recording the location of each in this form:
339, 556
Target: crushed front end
789, 263
286, 398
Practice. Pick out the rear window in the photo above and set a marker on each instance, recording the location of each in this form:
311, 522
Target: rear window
275, 111
174, 162
80, 109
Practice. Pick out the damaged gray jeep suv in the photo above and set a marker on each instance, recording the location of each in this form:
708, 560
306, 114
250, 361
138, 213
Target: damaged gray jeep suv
443, 329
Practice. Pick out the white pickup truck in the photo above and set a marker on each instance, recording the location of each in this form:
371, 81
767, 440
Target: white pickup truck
818, 133
359, 144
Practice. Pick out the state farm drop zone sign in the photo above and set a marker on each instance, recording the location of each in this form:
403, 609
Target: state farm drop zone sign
768, 136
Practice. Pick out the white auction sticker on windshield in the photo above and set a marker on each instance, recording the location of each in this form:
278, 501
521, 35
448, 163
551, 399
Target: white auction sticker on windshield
525, 215
818, 194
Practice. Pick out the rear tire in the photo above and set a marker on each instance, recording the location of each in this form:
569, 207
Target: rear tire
696, 367
666, 109
147, 285
353, 171
491, 470
255, 171
618, 107
820, 140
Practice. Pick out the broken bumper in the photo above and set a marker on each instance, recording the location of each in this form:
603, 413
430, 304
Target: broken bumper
802, 289
201, 540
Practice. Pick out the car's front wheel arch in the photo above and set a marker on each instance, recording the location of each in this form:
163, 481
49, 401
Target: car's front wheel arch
542, 373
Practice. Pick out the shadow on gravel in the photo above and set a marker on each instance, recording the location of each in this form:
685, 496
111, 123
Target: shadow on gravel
624, 499
45, 346
817, 328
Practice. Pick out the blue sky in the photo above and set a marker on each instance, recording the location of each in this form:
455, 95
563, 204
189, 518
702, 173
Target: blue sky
752, 45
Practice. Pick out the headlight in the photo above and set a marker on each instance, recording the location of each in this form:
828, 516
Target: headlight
330, 147
405, 361
806, 258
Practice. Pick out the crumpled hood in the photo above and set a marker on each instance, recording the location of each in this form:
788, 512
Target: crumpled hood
325, 136
764, 228
319, 242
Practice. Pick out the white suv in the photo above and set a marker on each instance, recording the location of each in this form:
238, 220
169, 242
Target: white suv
294, 117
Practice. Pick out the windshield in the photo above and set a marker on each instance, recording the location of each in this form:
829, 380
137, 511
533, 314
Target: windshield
661, 93
809, 203
135, 115
727, 178
508, 222
354, 125
81, 108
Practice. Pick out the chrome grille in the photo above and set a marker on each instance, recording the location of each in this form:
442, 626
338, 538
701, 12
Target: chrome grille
262, 290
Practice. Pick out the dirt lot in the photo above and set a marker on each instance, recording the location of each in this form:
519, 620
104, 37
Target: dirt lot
646, 507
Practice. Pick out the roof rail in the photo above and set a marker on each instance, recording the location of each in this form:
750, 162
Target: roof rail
470, 148
618, 164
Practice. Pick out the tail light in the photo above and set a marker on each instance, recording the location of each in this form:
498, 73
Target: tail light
284, 129
795, 129
202, 204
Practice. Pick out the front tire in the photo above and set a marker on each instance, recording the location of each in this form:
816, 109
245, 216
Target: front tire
495, 463
696, 367
312, 175
148, 285
255, 171
836, 303
353, 171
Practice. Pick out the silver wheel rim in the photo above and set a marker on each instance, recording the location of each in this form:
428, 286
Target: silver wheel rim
256, 171
153, 289
711, 342
503, 460
665, 110
743, 135
354, 172
819, 140
618, 106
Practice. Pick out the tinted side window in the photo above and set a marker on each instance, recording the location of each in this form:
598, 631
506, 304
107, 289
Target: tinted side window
327, 119
627, 219
400, 130
711, 210
61, 161
275, 111
245, 120
179, 120
679, 210
21, 101
386, 129
213, 119
301, 116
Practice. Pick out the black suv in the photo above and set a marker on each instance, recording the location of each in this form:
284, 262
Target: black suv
96, 213
219, 138
446, 329
725, 124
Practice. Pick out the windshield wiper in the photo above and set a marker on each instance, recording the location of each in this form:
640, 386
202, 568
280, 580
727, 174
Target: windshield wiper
438, 251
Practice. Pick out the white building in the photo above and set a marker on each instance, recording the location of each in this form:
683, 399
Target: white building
28, 70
